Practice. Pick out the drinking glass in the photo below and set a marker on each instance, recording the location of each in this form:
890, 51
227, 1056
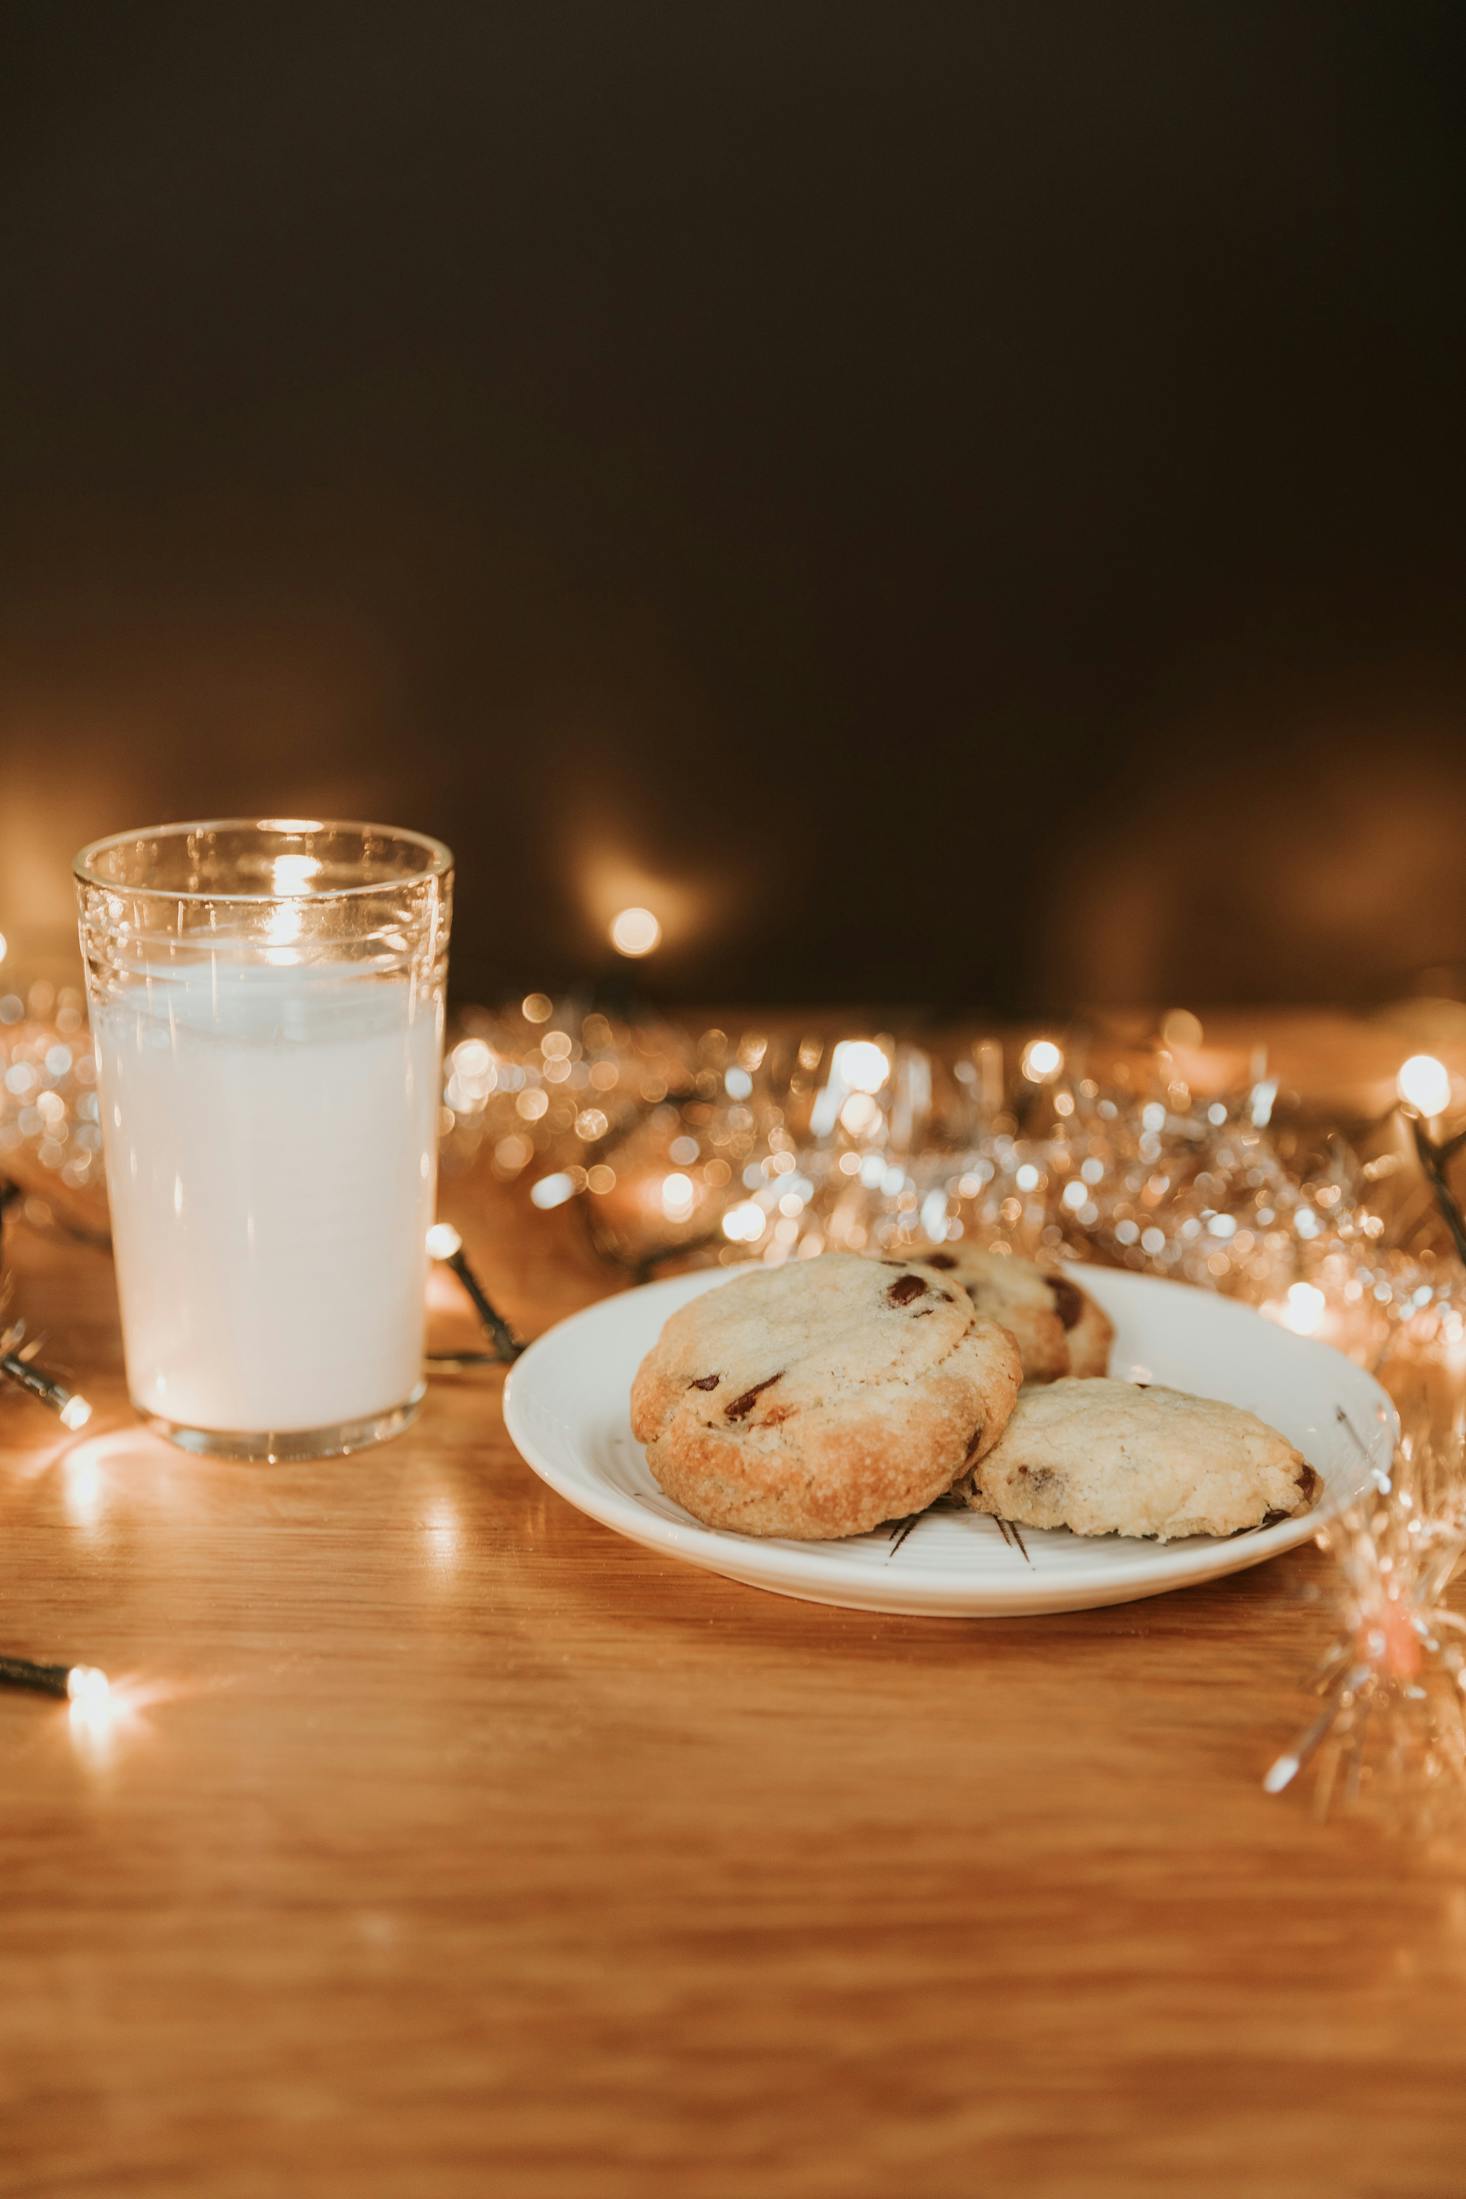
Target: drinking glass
267, 1007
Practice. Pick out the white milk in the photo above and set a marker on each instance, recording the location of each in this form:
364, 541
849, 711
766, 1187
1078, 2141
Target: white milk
271, 1160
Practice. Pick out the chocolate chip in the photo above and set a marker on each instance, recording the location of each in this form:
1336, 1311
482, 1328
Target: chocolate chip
973, 1441
938, 1259
1068, 1302
1309, 1484
742, 1406
905, 1288
705, 1382
923, 1313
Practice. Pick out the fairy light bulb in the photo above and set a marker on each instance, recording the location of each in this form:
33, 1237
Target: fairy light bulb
76, 1412
443, 1241
88, 1687
1424, 1084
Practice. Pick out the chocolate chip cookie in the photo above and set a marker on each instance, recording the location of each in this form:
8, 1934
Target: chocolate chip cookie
1116, 1458
1060, 1329
817, 1399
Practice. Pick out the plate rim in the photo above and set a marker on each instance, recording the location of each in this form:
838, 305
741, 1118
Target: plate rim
792, 1568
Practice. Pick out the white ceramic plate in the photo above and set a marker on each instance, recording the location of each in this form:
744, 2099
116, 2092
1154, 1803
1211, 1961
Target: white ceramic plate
566, 1408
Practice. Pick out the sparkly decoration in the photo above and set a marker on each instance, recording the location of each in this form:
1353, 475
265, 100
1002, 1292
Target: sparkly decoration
50, 1130
1390, 1737
731, 1148
535, 1090
18, 1365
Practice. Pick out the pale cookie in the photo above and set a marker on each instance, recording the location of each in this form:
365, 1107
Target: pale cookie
1060, 1329
1117, 1458
820, 1398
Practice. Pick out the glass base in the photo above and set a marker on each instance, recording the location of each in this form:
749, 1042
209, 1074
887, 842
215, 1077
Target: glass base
289, 1446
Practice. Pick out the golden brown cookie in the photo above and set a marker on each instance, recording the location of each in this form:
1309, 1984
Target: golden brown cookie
817, 1399
1059, 1328
1121, 1458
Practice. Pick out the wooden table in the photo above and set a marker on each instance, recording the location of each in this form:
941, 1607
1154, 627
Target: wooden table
454, 1846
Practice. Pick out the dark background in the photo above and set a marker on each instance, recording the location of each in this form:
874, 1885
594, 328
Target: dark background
960, 503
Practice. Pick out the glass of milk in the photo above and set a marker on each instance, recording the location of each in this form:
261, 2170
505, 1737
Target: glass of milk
267, 1006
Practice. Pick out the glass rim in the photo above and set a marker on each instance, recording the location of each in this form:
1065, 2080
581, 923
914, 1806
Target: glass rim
437, 858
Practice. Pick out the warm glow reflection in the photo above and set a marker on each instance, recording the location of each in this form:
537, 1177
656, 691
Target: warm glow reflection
283, 928
1424, 1084
4, 946
443, 1241
83, 1487
635, 932
1042, 1060
295, 873
440, 1531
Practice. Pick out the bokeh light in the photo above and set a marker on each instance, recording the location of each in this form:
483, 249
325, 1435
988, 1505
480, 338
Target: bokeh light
635, 932
1042, 1060
860, 1065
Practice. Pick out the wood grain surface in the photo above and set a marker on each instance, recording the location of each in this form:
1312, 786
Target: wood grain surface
450, 1846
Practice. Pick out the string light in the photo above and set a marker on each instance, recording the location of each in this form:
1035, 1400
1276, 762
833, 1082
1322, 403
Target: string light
445, 1244
85, 1686
70, 1407
88, 1687
1424, 1084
